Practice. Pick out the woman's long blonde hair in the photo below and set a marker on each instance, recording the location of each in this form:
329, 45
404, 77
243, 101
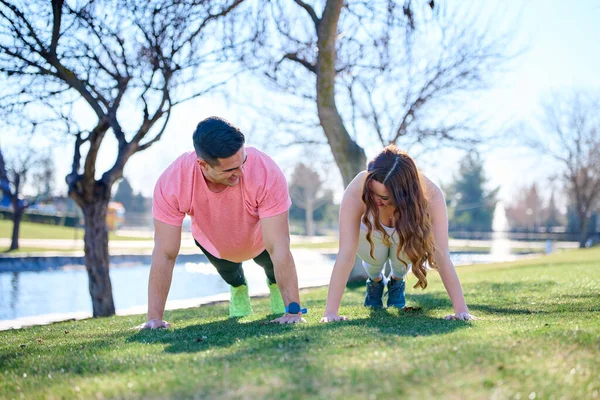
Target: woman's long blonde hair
398, 172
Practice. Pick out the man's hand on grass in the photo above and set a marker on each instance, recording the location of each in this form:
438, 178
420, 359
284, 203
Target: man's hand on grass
464, 316
154, 324
333, 317
289, 319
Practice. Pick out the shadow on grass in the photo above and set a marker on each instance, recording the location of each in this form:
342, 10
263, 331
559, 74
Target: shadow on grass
502, 292
380, 324
507, 311
510, 298
224, 333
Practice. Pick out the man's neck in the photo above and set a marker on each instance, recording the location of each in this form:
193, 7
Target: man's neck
214, 186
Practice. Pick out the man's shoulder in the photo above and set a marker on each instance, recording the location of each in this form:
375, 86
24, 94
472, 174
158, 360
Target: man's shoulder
257, 154
262, 173
189, 157
261, 163
184, 162
178, 170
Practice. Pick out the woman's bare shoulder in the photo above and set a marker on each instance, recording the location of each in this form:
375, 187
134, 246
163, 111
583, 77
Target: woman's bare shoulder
353, 193
432, 192
355, 187
358, 182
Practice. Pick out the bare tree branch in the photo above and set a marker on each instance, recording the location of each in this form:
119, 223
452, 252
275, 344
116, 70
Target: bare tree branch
571, 136
398, 62
311, 12
158, 136
148, 55
301, 61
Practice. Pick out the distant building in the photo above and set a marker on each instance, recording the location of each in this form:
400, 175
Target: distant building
115, 215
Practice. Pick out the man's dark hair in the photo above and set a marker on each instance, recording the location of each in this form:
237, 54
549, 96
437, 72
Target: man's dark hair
216, 138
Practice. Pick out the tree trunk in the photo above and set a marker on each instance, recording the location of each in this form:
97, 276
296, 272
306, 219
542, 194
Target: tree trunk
583, 230
309, 216
17, 217
349, 156
14, 297
97, 257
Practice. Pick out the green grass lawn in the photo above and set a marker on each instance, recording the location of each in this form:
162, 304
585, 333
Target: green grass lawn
29, 230
333, 244
23, 251
487, 249
538, 336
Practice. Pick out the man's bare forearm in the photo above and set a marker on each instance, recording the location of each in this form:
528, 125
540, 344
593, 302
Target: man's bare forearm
285, 273
159, 283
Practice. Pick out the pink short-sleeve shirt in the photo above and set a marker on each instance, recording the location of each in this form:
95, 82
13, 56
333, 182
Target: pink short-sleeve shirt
226, 224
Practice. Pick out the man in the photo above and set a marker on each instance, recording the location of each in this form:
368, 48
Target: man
238, 201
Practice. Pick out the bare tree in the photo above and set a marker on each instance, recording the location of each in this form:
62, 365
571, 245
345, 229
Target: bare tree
116, 67
390, 71
14, 175
305, 188
571, 135
44, 176
526, 211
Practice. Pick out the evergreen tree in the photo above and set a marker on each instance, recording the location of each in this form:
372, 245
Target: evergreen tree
125, 194
552, 214
472, 207
139, 203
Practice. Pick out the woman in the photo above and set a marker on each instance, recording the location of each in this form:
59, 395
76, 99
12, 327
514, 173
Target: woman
392, 213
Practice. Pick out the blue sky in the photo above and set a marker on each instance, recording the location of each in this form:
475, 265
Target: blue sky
563, 39
563, 53
562, 42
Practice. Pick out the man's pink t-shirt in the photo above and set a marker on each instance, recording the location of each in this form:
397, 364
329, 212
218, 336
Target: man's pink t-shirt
226, 224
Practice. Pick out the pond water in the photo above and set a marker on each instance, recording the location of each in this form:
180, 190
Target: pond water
64, 291
31, 293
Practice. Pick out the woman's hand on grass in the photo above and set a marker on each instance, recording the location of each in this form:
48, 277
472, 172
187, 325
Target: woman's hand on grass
464, 316
154, 324
333, 317
289, 319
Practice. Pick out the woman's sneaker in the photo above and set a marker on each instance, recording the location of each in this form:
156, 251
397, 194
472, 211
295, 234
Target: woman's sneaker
395, 293
374, 294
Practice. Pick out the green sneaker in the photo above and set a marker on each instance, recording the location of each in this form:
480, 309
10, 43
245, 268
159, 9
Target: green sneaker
239, 303
277, 306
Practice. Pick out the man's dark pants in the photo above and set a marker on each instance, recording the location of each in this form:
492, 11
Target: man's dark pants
233, 273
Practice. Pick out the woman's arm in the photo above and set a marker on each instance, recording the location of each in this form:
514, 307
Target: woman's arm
351, 211
439, 217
